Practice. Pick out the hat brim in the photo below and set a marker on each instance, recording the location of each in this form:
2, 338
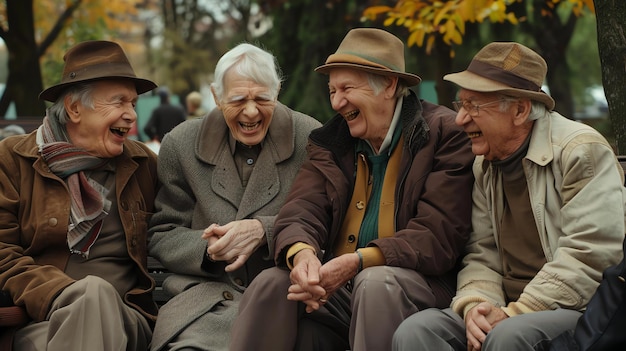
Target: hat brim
472, 81
408, 78
52, 93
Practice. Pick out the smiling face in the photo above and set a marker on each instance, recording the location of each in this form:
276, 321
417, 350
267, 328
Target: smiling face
248, 108
101, 130
368, 114
499, 129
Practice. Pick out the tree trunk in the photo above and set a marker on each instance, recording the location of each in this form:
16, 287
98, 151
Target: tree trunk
24, 79
611, 19
553, 35
446, 92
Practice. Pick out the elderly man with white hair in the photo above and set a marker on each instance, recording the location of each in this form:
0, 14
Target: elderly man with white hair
225, 176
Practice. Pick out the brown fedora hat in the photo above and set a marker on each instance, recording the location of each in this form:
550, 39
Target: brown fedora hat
508, 68
372, 50
95, 60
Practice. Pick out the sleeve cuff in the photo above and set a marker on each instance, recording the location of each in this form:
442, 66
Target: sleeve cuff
294, 249
372, 256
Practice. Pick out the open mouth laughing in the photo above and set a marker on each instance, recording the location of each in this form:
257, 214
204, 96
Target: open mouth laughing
249, 126
351, 115
474, 134
121, 131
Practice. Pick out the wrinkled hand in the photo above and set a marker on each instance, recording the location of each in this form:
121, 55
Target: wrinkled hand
337, 272
321, 284
479, 321
305, 281
234, 242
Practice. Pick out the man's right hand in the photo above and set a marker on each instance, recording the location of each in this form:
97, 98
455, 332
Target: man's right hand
479, 321
305, 280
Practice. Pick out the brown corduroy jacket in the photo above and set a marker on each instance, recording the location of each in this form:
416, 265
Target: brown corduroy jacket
34, 217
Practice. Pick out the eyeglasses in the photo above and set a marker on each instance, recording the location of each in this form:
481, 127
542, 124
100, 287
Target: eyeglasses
471, 108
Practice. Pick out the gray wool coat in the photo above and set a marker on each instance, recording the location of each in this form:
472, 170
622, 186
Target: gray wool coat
200, 186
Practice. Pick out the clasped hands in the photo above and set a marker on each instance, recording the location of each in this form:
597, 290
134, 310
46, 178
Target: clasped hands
313, 283
234, 242
479, 321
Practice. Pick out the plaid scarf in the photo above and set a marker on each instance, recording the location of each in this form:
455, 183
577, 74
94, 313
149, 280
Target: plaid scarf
88, 198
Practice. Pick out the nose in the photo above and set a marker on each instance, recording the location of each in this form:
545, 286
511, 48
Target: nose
250, 108
130, 114
462, 117
337, 101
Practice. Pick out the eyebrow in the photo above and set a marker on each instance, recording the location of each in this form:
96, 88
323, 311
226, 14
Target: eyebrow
263, 96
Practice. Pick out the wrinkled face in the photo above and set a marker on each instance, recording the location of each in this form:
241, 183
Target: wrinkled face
492, 131
101, 130
248, 108
368, 115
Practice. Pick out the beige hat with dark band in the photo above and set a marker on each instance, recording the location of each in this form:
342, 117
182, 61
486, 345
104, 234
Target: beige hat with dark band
95, 60
372, 50
508, 68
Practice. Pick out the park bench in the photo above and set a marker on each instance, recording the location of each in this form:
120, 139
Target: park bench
15, 317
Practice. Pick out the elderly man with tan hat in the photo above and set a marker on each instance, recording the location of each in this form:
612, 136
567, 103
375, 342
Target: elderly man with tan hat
377, 218
75, 199
548, 213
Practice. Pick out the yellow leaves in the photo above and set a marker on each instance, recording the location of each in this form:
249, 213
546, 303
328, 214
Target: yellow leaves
371, 13
428, 19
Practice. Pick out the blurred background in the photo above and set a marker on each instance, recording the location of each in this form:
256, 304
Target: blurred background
176, 43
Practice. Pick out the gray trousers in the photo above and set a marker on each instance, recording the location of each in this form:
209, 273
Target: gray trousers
87, 315
363, 317
442, 330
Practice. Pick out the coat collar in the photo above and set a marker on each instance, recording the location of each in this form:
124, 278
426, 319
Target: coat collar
540, 149
335, 134
214, 134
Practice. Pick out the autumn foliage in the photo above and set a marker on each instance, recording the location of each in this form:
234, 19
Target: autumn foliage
427, 19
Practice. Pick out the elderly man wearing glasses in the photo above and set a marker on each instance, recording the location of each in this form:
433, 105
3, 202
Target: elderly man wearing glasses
548, 213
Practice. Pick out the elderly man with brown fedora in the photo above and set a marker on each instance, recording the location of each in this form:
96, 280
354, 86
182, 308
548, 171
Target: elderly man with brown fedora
377, 218
74, 204
548, 213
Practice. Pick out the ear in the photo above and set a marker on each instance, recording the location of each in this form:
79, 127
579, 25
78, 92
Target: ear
72, 108
217, 101
390, 90
522, 111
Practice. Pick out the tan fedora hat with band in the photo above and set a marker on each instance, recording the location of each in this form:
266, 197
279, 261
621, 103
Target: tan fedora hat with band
95, 60
508, 68
371, 50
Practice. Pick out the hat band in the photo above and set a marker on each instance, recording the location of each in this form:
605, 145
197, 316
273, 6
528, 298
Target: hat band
500, 75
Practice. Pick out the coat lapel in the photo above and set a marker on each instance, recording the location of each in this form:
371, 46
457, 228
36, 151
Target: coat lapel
263, 185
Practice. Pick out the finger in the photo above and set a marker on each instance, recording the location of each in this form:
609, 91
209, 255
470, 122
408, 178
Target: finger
312, 305
301, 296
472, 342
475, 334
208, 232
239, 262
295, 288
220, 247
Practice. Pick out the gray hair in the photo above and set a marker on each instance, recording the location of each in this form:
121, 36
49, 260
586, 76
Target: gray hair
378, 83
537, 110
79, 92
250, 62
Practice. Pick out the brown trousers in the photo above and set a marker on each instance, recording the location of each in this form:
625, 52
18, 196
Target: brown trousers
87, 315
363, 317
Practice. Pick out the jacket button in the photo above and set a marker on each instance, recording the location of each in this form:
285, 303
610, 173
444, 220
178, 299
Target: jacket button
239, 281
351, 238
360, 205
53, 222
227, 295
